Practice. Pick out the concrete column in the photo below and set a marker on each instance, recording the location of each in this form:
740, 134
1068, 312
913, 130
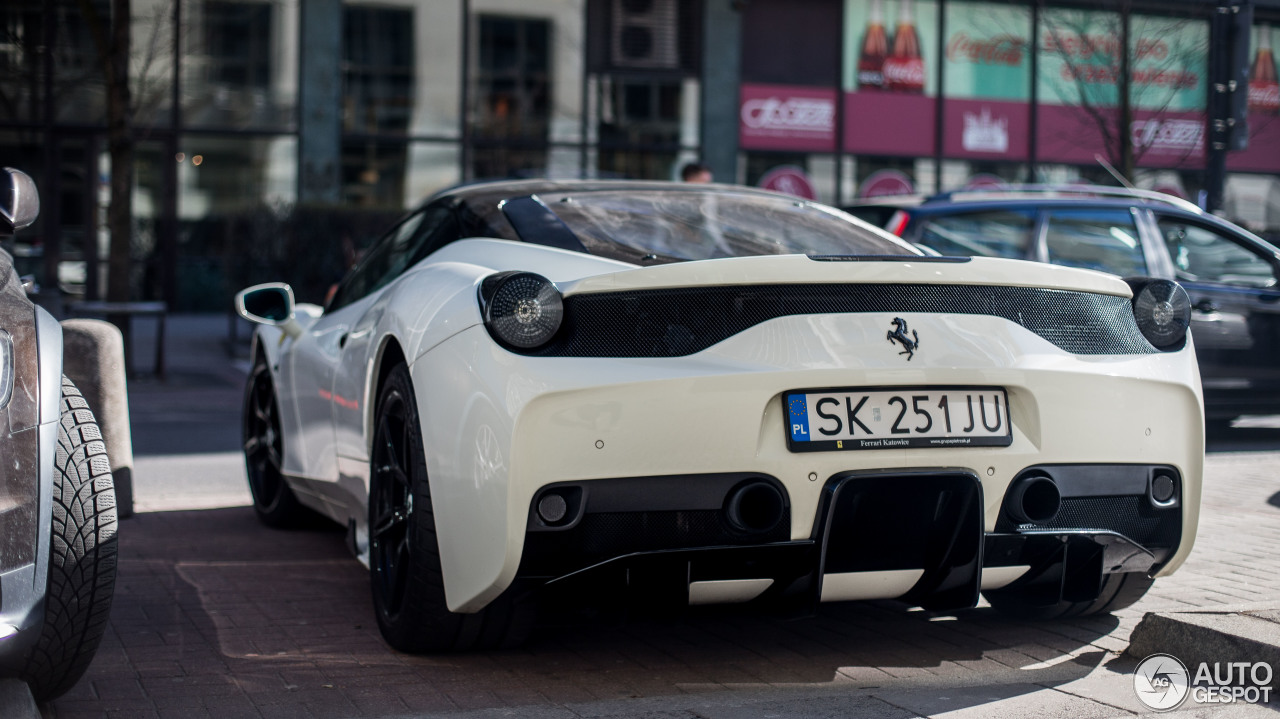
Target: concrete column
721, 62
320, 103
93, 357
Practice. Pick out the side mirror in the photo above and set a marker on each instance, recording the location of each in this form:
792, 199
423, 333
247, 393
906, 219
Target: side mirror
19, 201
269, 304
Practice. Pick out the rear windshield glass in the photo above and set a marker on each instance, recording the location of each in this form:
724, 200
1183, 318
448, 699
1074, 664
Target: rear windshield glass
697, 225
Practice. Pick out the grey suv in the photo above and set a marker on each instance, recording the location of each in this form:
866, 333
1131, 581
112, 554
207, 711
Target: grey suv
1231, 275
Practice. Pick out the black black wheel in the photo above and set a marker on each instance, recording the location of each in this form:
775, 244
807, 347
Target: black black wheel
275, 504
82, 560
404, 557
1118, 591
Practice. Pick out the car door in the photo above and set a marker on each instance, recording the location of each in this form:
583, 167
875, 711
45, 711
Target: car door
358, 345
1235, 300
317, 353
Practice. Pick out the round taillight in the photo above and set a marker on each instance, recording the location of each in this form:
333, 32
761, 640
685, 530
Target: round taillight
1163, 311
522, 309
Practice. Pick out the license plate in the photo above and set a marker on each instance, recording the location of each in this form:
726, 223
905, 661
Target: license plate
897, 418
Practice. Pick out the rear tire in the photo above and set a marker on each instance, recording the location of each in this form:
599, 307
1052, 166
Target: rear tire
274, 502
404, 555
82, 559
1118, 592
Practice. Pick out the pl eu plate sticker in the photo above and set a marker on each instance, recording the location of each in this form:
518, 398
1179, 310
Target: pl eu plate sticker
799, 411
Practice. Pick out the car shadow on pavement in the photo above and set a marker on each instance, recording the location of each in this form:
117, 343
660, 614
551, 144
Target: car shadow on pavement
215, 614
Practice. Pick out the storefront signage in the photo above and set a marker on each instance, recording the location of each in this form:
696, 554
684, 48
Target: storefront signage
889, 46
789, 180
1080, 60
988, 49
984, 133
1264, 85
1169, 136
885, 183
787, 118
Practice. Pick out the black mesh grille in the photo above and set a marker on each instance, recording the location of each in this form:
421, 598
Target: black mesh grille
1132, 516
679, 322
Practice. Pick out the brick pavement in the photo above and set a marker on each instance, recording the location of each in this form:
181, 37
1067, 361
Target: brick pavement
218, 616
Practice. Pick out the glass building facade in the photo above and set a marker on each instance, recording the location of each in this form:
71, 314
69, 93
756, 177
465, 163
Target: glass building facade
275, 137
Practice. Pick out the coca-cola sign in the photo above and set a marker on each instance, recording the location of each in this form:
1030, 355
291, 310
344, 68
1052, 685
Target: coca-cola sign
999, 50
904, 74
778, 117
1264, 97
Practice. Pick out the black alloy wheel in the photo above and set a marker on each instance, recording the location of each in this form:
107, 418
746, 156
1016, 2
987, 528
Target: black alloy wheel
404, 554
391, 520
273, 501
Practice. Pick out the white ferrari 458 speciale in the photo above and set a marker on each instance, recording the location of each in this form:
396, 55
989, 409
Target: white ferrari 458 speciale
703, 394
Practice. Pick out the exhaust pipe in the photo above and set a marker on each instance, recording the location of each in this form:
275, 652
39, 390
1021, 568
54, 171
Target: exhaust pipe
1034, 499
755, 507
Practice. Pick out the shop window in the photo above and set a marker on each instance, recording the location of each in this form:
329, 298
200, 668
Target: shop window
237, 38
373, 173
1103, 240
377, 69
511, 110
640, 123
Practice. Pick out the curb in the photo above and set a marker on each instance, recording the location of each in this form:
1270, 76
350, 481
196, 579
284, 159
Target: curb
1226, 634
16, 701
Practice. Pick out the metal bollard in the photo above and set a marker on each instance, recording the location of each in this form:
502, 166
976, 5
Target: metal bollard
93, 357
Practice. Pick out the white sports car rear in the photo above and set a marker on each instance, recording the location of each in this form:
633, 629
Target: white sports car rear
706, 394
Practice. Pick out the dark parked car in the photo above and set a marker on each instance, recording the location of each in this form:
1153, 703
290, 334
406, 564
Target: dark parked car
1230, 273
58, 515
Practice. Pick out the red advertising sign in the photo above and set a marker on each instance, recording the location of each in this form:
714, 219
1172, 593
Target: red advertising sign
888, 123
778, 117
886, 183
1169, 139
789, 180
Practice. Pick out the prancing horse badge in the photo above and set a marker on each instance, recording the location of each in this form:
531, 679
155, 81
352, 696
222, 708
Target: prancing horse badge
899, 334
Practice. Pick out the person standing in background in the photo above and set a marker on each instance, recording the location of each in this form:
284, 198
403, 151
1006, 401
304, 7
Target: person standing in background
695, 172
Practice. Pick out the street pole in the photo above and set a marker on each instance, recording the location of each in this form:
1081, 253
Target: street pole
1226, 129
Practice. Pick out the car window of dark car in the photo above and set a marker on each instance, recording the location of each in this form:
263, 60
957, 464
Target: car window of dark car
417, 236
1106, 240
1206, 255
698, 225
995, 233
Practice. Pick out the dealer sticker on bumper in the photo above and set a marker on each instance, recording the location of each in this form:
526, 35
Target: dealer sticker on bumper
896, 418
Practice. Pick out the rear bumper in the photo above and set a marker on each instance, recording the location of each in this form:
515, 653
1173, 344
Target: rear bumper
499, 428
917, 536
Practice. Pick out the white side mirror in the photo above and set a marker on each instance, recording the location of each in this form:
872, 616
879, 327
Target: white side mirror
269, 304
